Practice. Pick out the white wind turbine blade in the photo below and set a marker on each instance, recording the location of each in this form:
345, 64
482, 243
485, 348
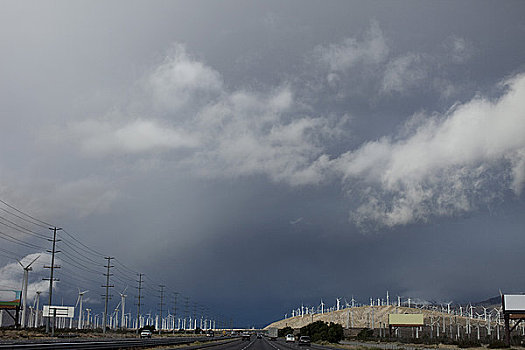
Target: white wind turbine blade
31, 263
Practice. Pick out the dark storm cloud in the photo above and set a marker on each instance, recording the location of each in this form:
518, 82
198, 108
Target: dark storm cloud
251, 145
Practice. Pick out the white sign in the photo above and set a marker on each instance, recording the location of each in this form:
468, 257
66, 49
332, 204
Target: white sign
61, 311
513, 303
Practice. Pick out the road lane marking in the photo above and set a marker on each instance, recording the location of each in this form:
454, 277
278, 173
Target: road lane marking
247, 346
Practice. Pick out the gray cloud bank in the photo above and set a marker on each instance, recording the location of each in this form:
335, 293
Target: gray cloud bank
437, 165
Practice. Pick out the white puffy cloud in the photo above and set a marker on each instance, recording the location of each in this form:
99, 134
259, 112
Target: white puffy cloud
340, 57
449, 164
138, 136
402, 73
249, 134
222, 132
181, 80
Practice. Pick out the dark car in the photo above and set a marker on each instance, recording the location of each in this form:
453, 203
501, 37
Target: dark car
304, 340
246, 336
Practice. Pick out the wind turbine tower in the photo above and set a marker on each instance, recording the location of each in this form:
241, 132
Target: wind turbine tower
24, 289
37, 307
88, 311
123, 302
79, 299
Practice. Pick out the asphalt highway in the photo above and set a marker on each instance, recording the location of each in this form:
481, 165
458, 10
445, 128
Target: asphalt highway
218, 344
263, 344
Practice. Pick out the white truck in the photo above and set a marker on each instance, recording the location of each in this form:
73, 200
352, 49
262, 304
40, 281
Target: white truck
272, 333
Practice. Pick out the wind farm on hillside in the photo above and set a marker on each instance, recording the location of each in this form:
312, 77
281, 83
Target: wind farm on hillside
447, 320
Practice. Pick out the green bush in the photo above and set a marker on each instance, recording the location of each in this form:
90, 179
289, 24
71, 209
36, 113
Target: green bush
322, 331
365, 334
284, 331
469, 344
497, 344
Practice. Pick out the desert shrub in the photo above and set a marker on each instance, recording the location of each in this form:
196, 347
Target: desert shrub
497, 344
365, 334
469, 344
322, 331
284, 331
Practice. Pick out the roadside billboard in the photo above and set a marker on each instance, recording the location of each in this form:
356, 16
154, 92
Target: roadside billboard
10, 299
61, 311
513, 303
405, 320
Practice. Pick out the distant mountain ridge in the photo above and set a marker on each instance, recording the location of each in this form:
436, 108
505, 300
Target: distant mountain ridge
489, 302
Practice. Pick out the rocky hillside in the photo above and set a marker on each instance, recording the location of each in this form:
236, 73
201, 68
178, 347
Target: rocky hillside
373, 317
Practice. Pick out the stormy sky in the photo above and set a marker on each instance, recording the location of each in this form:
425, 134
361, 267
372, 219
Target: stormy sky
258, 155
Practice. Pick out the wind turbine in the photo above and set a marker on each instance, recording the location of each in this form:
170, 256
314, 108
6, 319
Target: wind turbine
79, 299
338, 303
24, 288
322, 307
448, 307
37, 306
122, 302
88, 317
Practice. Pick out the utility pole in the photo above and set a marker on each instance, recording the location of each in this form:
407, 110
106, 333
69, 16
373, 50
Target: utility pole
138, 304
52, 268
175, 294
186, 311
107, 296
161, 295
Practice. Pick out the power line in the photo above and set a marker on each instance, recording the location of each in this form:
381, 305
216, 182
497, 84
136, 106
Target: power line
18, 241
91, 261
21, 229
85, 246
71, 261
37, 223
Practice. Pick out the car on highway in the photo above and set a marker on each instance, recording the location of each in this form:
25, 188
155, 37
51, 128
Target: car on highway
290, 338
304, 340
259, 336
145, 333
246, 336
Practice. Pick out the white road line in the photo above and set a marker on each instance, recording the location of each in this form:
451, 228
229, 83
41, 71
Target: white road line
273, 346
247, 346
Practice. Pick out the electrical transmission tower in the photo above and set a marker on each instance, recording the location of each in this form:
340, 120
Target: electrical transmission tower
139, 297
161, 296
186, 310
175, 294
107, 296
52, 268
